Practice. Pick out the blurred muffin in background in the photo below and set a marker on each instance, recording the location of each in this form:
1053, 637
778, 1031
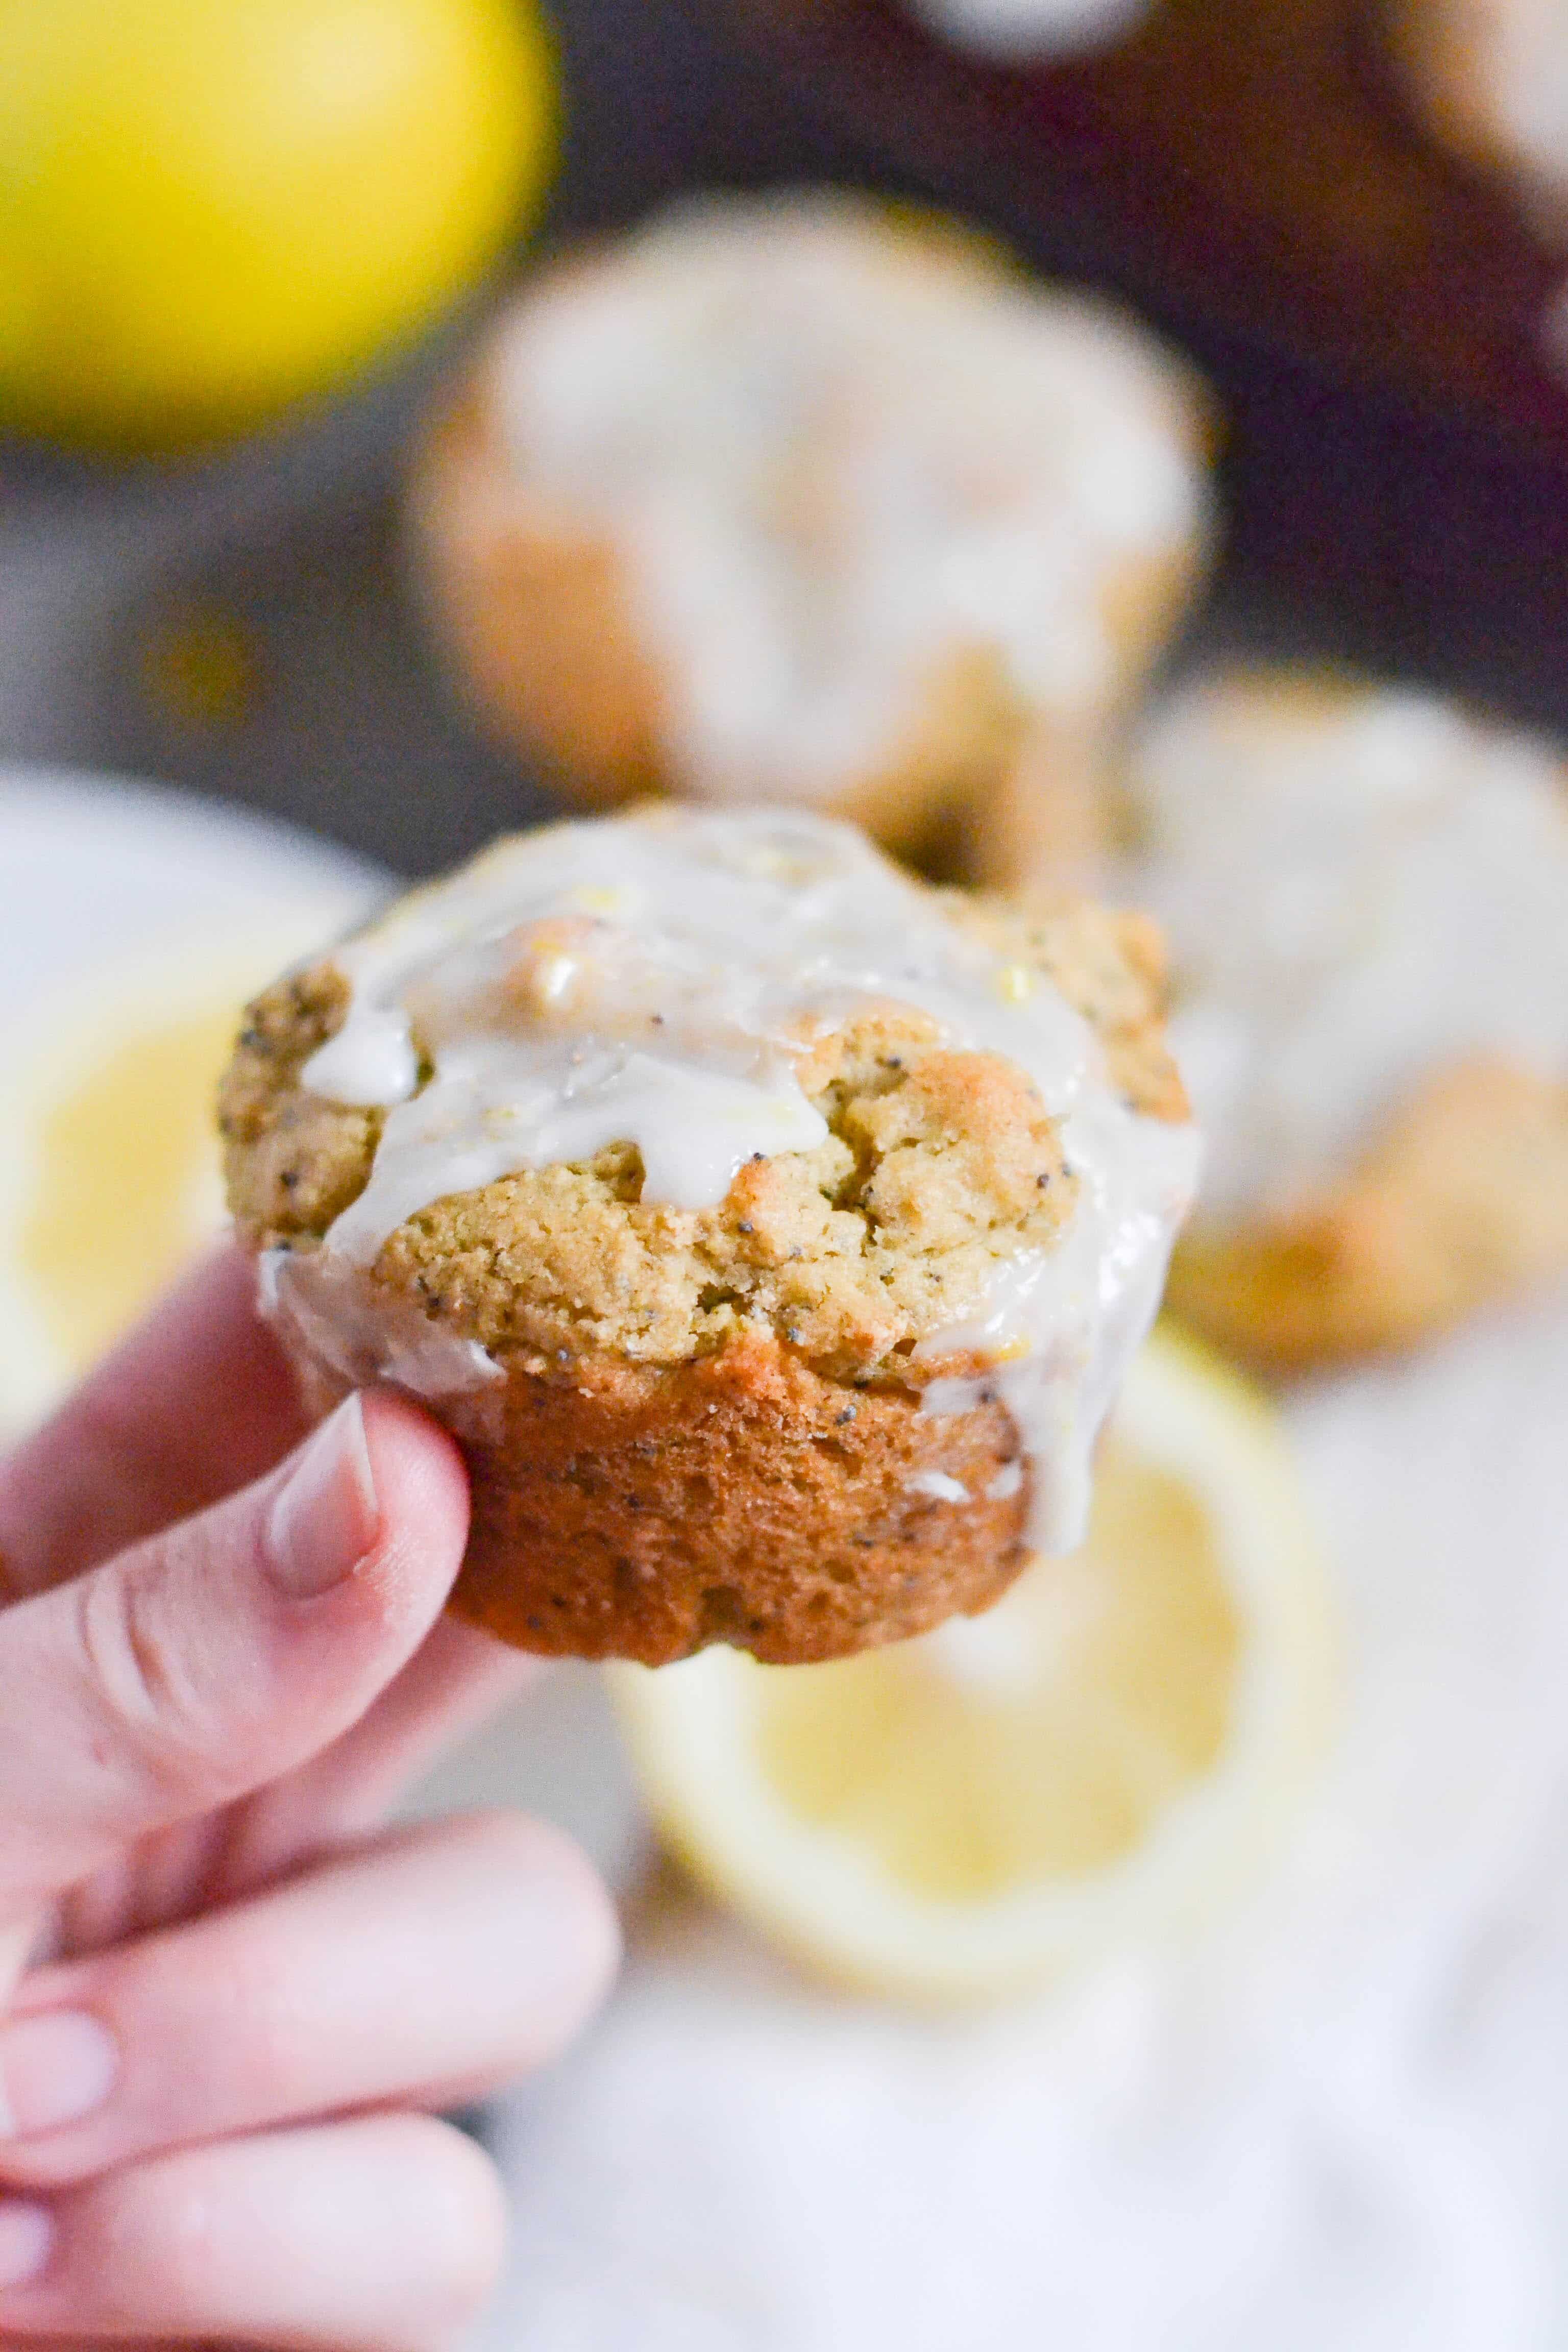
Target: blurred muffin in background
1365, 893
1031, 28
1490, 78
805, 498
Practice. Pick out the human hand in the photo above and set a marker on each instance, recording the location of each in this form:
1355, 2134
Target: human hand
228, 1997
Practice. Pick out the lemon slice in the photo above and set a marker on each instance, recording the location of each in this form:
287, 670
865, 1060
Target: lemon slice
1092, 1762
108, 1157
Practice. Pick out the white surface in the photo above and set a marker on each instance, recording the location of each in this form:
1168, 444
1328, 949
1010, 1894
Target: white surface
1338, 2122
95, 868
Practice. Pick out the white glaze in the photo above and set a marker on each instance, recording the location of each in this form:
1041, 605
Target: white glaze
828, 460
532, 980
1062, 1325
327, 1307
938, 1485
1356, 893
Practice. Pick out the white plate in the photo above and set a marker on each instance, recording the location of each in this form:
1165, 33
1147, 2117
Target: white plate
92, 869
114, 890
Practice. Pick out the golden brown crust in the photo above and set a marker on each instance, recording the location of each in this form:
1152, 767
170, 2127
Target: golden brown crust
537, 619
813, 1543
962, 735
1049, 820
1465, 1199
1110, 963
292, 1161
1050, 816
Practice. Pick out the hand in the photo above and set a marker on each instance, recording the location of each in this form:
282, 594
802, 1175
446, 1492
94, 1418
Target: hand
243, 1994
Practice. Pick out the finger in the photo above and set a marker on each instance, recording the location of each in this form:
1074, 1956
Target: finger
440, 1962
456, 1679
384, 2234
196, 1402
158, 1880
191, 1669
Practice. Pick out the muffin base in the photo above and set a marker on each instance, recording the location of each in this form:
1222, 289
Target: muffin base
633, 1511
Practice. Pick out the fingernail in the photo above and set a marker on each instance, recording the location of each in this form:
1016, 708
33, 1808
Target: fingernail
27, 2242
324, 1517
54, 2069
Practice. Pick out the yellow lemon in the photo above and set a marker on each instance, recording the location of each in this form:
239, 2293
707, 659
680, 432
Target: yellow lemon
109, 1155
210, 208
1090, 1762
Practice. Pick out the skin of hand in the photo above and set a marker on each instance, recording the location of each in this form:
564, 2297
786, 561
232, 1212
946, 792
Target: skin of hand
231, 1999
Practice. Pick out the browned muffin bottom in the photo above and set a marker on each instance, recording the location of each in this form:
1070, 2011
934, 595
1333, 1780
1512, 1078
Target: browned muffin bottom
748, 1370
588, 1479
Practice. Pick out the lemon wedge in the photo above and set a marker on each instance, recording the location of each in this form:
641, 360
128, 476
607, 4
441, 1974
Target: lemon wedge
1092, 1762
109, 1156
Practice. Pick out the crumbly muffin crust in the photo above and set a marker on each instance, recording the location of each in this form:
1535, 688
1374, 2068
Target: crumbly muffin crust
937, 1163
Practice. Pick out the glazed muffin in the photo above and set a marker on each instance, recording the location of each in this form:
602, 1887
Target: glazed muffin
806, 500
771, 1229
1491, 79
1365, 893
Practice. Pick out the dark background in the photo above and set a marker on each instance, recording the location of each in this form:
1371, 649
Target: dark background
1358, 527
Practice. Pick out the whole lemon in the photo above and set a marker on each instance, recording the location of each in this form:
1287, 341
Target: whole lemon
211, 208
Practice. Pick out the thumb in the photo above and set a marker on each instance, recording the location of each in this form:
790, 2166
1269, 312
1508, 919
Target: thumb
209, 1660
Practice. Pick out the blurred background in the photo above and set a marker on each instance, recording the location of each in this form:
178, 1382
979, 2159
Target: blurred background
1300, 2084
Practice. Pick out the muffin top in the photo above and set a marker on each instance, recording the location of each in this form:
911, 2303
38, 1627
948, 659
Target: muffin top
834, 446
636, 1087
1362, 888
